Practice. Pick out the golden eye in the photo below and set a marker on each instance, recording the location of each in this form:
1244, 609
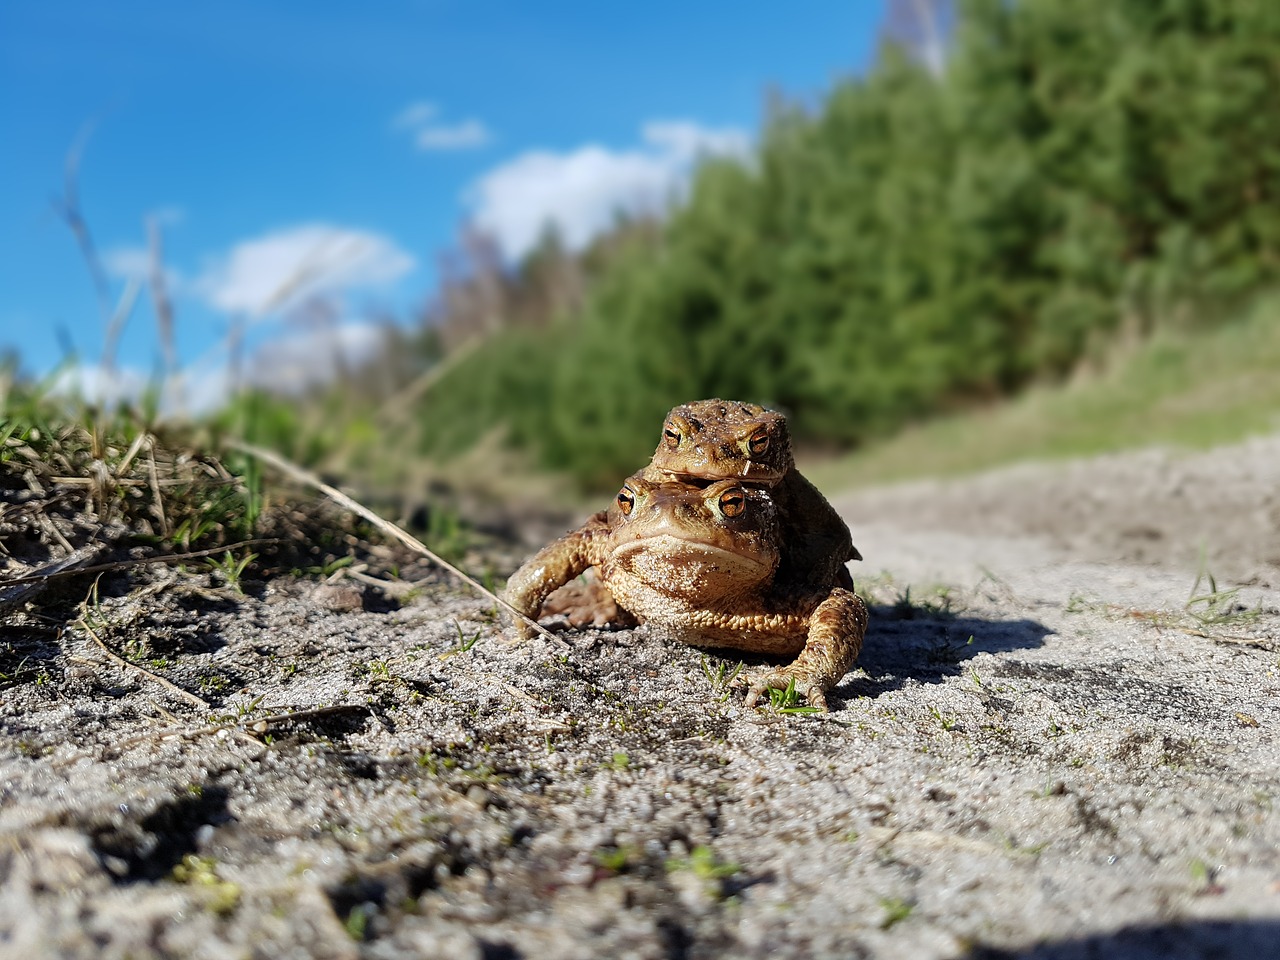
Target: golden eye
626, 501
733, 501
759, 442
671, 436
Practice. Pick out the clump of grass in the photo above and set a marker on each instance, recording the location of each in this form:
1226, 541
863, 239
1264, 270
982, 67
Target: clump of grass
92, 479
713, 872
357, 922
722, 676
787, 701
120, 469
617, 859
15, 674
196, 871
1204, 877
1216, 607
935, 606
231, 569
947, 721
895, 911
464, 644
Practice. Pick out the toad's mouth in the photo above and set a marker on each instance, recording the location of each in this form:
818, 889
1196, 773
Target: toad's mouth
690, 549
713, 471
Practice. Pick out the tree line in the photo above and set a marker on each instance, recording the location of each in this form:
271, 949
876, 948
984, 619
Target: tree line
1078, 171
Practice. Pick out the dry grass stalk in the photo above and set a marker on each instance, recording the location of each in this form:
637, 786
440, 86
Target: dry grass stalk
387, 527
245, 728
83, 624
62, 569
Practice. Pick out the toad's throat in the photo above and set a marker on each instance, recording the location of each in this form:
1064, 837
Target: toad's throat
690, 550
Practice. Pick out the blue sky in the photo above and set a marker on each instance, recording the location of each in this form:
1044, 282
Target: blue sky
344, 143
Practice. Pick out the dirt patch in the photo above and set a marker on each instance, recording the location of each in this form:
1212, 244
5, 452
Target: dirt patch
1044, 753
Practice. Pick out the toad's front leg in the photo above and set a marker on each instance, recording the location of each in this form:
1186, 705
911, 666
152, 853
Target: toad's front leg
553, 566
836, 630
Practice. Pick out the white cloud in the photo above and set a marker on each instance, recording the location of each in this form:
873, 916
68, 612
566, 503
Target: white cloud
169, 216
134, 263
415, 115
302, 358
581, 192
198, 389
286, 363
687, 140
97, 385
459, 136
127, 263
419, 118
262, 275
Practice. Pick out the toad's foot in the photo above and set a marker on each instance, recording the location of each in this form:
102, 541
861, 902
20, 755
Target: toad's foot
587, 604
836, 631
781, 679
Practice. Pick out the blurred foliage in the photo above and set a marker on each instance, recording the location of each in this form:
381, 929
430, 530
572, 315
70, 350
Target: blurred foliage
1082, 172
1196, 387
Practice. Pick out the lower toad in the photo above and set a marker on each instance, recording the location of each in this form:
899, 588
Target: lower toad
699, 563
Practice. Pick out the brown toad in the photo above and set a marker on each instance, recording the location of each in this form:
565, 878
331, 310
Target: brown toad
710, 440
700, 563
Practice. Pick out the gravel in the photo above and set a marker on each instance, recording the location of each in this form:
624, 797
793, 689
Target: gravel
1045, 752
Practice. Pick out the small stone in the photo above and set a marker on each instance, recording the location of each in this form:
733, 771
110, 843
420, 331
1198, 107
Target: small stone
338, 598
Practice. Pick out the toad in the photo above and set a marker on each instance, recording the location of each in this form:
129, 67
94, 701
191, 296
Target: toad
709, 440
700, 563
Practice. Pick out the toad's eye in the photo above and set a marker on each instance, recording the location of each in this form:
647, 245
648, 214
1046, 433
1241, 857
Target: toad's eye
626, 501
733, 501
671, 436
759, 442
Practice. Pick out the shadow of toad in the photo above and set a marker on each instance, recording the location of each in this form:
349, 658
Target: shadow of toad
906, 644
1189, 940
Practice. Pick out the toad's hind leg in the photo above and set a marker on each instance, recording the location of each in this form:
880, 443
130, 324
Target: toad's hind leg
836, 631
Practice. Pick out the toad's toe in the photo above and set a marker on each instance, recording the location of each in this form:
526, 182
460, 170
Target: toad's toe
783, 679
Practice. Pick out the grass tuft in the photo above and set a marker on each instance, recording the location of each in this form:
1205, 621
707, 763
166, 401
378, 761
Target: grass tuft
788, 701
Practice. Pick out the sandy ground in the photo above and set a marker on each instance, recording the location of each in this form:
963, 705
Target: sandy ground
1045, 752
